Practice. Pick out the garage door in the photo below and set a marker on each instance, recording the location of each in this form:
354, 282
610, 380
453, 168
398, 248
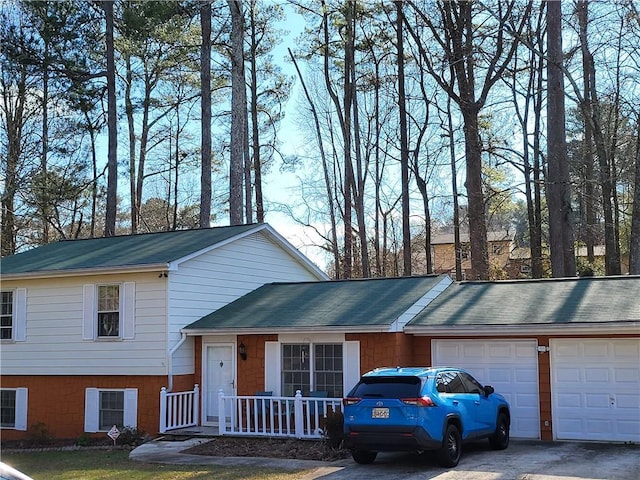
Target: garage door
511, 367
595, 389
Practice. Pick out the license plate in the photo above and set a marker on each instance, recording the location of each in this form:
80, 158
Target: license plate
380, 413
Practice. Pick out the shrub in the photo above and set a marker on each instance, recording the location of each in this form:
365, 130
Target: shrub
334, 429
38, 435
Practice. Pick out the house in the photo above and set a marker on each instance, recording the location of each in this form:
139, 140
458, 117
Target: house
90, 329
565, 352
443, 252
224, 317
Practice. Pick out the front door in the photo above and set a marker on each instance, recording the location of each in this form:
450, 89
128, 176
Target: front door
219, 375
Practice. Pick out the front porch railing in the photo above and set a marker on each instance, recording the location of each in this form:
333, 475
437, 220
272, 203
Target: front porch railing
179, 409
297, 417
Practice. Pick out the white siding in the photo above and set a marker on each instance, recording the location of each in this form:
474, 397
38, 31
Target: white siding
54, 331
207, 282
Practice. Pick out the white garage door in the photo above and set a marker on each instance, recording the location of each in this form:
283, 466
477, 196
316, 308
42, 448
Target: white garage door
510, 366
595, 388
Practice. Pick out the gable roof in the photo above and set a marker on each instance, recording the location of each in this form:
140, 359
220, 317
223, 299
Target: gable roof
338, 305
128, 252
524, 305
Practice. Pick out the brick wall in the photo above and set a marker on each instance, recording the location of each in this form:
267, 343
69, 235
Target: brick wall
58, 401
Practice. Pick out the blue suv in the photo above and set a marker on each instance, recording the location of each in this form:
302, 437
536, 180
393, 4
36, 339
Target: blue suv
418, 409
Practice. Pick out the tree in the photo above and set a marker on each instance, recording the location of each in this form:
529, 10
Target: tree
238, 113
112, 122
457, 39
205, 112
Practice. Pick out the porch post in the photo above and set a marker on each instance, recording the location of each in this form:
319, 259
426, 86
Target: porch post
221, 415
298, 415
163, 410
196, 404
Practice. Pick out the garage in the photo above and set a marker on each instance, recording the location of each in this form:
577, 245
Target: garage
595, 388
510, 366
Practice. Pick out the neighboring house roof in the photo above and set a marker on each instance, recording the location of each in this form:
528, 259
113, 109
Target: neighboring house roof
523, 305
339, 305
448, 238
127, 252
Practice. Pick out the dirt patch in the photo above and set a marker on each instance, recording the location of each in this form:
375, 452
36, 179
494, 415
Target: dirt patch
268, 447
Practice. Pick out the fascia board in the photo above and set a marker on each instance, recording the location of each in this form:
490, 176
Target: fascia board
276, 330
83, 272
529, 329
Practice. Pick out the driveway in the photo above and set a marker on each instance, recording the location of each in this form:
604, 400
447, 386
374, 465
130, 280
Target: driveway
523, 460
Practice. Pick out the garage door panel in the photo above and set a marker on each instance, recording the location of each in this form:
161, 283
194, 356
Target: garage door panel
595, 386
511, 367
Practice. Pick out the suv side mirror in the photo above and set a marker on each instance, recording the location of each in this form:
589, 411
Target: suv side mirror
488, 390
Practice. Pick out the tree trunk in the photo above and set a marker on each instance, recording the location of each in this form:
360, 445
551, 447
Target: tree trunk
238, 111
205, 113
454, 192
634, 248
112, 122
558, 187
404, 146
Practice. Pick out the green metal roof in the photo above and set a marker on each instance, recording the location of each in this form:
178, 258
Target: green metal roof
339, 303
528, 302
117, 251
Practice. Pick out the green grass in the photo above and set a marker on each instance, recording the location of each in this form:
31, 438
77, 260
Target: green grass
115, 464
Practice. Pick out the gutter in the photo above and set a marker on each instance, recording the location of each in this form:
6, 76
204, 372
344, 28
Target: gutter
173, 350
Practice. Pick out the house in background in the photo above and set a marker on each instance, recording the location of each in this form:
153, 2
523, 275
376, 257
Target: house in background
91, 329
443, 252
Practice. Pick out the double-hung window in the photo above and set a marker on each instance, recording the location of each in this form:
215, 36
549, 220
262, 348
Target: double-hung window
6, 315
108, 310
13, 315
105, 408
13, 408
312, 367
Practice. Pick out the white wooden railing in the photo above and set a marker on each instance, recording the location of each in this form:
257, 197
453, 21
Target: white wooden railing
179, 409
298, 417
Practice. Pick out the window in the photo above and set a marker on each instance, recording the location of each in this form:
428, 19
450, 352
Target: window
13, 408
7, 408
6, 316
105, 408
108, 310
464, 251
312, 367
471, 384
111, 409
496, 248
449, 382
524, 268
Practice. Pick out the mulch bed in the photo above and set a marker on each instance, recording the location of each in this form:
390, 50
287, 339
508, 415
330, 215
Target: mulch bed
268, 447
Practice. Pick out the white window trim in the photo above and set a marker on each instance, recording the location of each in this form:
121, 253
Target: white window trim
92, 408
21, 406
127, 308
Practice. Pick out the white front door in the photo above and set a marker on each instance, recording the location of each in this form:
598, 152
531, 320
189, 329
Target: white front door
509, 366
219, 374
595, 389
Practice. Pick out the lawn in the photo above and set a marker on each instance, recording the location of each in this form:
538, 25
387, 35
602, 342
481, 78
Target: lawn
115, 464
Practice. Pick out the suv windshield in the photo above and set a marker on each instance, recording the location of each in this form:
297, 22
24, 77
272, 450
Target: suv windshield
387, 387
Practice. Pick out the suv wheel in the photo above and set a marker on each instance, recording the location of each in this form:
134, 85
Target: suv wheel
500, 439
449, 452
363, 457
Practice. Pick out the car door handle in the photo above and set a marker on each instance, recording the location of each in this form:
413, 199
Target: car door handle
477, 402
455, 402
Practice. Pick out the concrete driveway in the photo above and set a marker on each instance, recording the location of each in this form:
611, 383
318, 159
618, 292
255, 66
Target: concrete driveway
523, 460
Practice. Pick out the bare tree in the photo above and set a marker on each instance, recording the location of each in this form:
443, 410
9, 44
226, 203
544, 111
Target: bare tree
456, 36
205, 111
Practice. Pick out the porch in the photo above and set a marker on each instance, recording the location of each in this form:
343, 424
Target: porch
260, 415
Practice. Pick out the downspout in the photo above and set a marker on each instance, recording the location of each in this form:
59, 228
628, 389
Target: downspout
173, 350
